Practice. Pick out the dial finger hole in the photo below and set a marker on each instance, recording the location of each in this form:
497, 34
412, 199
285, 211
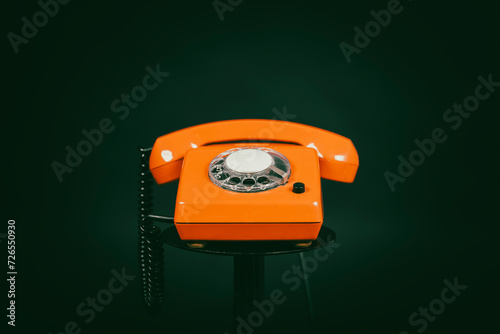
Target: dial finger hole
234, 180
248, 182
263, 180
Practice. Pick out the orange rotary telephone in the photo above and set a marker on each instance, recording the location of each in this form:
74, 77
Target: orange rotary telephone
251, 190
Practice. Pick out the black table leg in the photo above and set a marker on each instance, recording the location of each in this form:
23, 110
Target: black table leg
248, 285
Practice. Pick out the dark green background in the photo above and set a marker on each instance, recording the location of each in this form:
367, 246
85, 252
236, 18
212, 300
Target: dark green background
396, 248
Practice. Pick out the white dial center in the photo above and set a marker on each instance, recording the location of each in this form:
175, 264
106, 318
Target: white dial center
249, 161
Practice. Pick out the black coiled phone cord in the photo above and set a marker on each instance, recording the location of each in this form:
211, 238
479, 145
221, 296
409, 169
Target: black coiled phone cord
150, 244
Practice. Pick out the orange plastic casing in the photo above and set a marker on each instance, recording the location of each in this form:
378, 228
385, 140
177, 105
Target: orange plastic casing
338, 158
205, 211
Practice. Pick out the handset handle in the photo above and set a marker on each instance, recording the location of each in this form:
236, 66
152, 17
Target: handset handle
337, 155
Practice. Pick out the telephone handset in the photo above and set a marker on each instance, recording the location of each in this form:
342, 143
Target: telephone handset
253, 190
337, 155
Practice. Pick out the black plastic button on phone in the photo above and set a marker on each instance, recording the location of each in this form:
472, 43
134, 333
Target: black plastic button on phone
298, 188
